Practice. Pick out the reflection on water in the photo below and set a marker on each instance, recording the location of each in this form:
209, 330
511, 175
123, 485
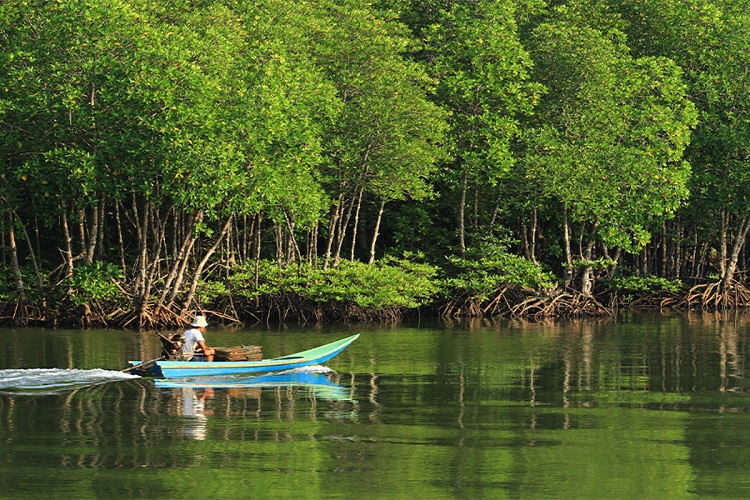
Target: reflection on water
194, 409
642, 407
313, 383
190, 395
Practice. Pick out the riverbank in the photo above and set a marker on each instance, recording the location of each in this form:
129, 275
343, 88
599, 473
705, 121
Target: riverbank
387, 291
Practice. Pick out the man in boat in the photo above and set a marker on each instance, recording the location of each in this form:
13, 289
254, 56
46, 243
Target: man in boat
195, 348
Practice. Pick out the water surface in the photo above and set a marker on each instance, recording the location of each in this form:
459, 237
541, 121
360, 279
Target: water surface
642, 407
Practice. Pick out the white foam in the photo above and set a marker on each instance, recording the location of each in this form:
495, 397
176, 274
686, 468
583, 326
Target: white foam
56, 378
310, 369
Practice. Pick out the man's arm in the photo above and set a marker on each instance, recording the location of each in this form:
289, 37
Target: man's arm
206, 349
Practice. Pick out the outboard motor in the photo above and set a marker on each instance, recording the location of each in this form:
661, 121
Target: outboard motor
171, 346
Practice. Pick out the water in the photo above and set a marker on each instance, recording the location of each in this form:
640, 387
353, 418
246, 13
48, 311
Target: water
643, 407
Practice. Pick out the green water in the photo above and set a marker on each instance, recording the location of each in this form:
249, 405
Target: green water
642, 407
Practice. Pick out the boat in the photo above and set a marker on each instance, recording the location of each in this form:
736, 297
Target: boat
161, 368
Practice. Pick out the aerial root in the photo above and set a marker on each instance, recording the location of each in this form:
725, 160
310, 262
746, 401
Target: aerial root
716, 296
566, 304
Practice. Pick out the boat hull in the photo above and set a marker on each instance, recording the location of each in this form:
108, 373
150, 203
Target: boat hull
181, 369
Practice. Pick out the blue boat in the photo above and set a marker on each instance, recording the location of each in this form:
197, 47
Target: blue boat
181, 369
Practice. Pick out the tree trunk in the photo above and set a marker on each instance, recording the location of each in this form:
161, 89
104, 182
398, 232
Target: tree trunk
176, 273
93, 235
257, 250
142, 261
293, 241
376, 232
312, 247
356, 223
723, 244
278, 232
673, 264
587, 278
528, 237
68, 251
243, 244
20, 313
664, 250
159, 244
332, 230
611, 269
202, 264
696, 269
462, 216
37, 239
32, 255
182, 268
82, 233
567, 280
119, 237
534, 227
739, 241
100, 232
3, 253
342, 225
701, 260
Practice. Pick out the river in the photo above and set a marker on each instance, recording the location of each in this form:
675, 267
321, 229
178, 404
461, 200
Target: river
645, 406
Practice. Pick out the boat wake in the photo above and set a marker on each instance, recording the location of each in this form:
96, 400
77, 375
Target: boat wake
309, 369
40, 381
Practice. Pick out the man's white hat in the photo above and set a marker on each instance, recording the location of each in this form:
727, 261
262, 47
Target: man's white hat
199, 321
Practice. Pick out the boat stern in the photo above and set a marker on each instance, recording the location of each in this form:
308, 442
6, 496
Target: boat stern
149, 369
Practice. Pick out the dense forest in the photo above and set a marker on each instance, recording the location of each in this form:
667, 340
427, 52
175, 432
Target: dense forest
337, 160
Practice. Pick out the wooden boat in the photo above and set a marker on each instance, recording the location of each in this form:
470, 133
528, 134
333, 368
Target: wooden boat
179, 369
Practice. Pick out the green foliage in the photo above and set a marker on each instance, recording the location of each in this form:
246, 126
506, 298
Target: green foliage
610, 135
32, 288
7, 285
642, 285
387, 284
95, 282
710, 40
483, 72
389, 137
208, 291
492, 270
568, 122
597, 264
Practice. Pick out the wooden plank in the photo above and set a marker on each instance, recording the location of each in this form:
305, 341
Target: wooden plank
239, 353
